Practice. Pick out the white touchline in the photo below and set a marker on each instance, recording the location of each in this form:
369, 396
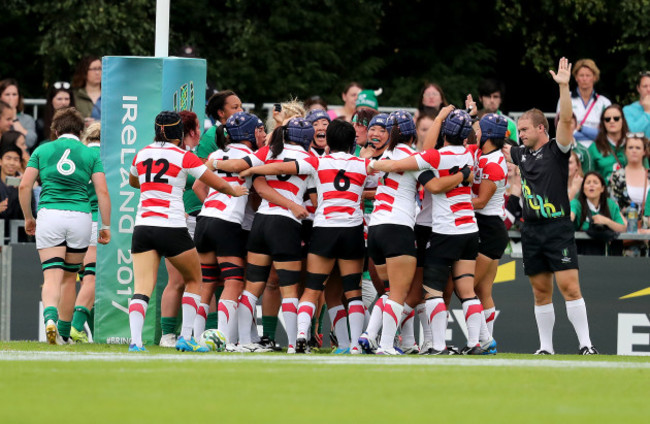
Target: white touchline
315, 360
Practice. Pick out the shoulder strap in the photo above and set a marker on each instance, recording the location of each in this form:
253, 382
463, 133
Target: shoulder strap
645, 193
589, 110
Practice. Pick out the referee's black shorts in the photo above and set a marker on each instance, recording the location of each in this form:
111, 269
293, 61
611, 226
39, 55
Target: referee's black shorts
549, 246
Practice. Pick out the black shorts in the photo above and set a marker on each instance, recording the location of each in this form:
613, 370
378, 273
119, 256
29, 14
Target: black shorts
168, 242
338, 242
493, 236
422, 234
277, 237
305, 234
222, 237
447, 249
390, 240
549, 246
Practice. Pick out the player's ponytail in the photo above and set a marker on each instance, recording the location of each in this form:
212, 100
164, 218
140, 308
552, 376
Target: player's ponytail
276, 145
222, 138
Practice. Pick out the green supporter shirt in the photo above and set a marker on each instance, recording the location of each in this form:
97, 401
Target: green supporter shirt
576, 208
92, 195
606, 165
584, 156
65, 167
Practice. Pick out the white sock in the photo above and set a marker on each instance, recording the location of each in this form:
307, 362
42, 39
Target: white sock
473, 318
189, 305
391, 316
376, 317
290, 315
245, 314
355, 318
577, 313
227, 310
545, 317
137, 312
421, 310
490, 314
306, 311
406, 326
339, 319
200, 319
255, 335
437, 320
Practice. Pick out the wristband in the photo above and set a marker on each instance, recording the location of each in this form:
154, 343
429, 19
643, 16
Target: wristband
214, 164
104, 227
371, 164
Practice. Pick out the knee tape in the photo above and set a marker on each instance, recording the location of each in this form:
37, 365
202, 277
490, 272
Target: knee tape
435, 276
315, 281
142, 297
386, 286
210, 273
231, 271
257, 273
288, 278
351, 282
462, 276
68, 267
89, 269
468, 298
53, 263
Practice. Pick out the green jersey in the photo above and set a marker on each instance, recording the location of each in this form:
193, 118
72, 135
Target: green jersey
208, 142
65, 167
92, 195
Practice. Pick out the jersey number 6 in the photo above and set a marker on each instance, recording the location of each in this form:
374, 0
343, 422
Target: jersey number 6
65, 166
341, 181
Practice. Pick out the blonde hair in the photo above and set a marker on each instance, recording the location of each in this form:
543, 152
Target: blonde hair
589, 64
92, 133
290, 109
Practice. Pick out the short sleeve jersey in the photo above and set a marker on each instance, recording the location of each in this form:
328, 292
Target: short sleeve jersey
452, 212
162, 169
341, 178
425, 214
65, 167
311, 186
544, 181
576, 208
221, 205
491, 167
208, 142
396, 193
92, 195
291, 187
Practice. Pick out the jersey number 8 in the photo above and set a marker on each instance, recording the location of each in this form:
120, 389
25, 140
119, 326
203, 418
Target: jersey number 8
65, 166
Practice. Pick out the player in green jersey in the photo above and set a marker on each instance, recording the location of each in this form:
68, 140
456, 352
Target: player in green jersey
64, 219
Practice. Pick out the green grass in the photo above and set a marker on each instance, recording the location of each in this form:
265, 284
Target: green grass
236, 388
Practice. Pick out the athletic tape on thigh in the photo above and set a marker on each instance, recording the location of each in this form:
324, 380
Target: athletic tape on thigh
210, 273
436, 276
89, 269
315, 281
231, 271
257, 273
351, 282
288, 278
68, 267
462, 276
53, 263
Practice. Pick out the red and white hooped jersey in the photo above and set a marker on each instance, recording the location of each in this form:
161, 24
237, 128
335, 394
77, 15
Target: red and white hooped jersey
341, 178
291, 187
221, 205
162, 170
452, 212
396, 193
493, 167
311, 184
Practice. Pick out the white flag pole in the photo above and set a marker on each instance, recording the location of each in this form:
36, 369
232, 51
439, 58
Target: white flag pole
162, 28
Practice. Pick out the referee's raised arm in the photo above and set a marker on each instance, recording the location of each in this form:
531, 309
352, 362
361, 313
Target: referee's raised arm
564, 134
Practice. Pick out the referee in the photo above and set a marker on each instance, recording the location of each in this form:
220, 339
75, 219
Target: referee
547, 236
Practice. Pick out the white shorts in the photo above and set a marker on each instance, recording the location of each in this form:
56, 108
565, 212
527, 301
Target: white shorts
63, 228
93, 234
191, 225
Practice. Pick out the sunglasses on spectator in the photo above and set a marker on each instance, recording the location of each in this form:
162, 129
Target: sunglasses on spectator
635, 135
644, 74
609, 118
62, 85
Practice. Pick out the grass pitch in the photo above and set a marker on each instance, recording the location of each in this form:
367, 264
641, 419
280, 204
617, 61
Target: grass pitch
98, 384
